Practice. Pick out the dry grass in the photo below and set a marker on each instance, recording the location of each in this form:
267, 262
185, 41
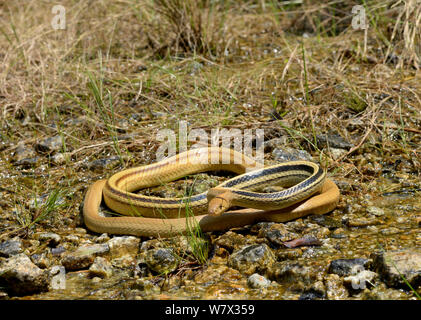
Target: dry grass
226, 64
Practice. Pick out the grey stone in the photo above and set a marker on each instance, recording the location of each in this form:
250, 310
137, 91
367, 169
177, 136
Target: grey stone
22, 277
252, 258
101, 268
257, 281
335, 290
337, 153
278, 234
41, 260
375, 211
315, 292
50, 144
84, 256
23, 152
28, 162
395, 265
287, 272
333, 141
59, 158
290, 154
10, 247
230, 241
101, 165
125, 245
51, 238
161, 260
347, 267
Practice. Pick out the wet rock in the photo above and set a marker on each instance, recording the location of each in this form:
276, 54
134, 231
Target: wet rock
259, 227
332, 140
58, 251
277, 234
347, 267
251, 259
22, 277
80, 231
104, 164
124, 262
192, 246
381, 292
257, 281
41, 260
230, 241
141, 268
290, 154
315, 292
292, 273
310, 295
375, 211
100, 268
325, 221
339, 233
161, 260
335, 289
393, 265
390, 231
103, 238
50, 145
10, 247
145, 287
84, 256
125, 245
51, 238
72, 238
362, 222
289, 254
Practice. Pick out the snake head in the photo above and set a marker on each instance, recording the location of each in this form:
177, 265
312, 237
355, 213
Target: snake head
217, 206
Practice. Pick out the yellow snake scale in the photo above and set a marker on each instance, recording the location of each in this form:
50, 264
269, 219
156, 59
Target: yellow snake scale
308, 192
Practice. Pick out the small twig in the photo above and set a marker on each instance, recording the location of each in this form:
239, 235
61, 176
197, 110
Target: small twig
393, 126
357, 146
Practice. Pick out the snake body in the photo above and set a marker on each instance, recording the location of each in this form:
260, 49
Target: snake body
309, 191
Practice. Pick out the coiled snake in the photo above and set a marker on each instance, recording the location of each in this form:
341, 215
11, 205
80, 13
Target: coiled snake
308, 192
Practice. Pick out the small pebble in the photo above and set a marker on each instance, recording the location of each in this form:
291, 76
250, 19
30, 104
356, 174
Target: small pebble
257, 281
10, 247
375, 211
161, 260
101, 268
252, 258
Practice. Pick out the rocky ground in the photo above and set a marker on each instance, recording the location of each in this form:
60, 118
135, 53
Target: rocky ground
81, 103
367, 248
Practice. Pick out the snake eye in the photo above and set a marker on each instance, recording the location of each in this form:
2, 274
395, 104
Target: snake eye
217, 206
